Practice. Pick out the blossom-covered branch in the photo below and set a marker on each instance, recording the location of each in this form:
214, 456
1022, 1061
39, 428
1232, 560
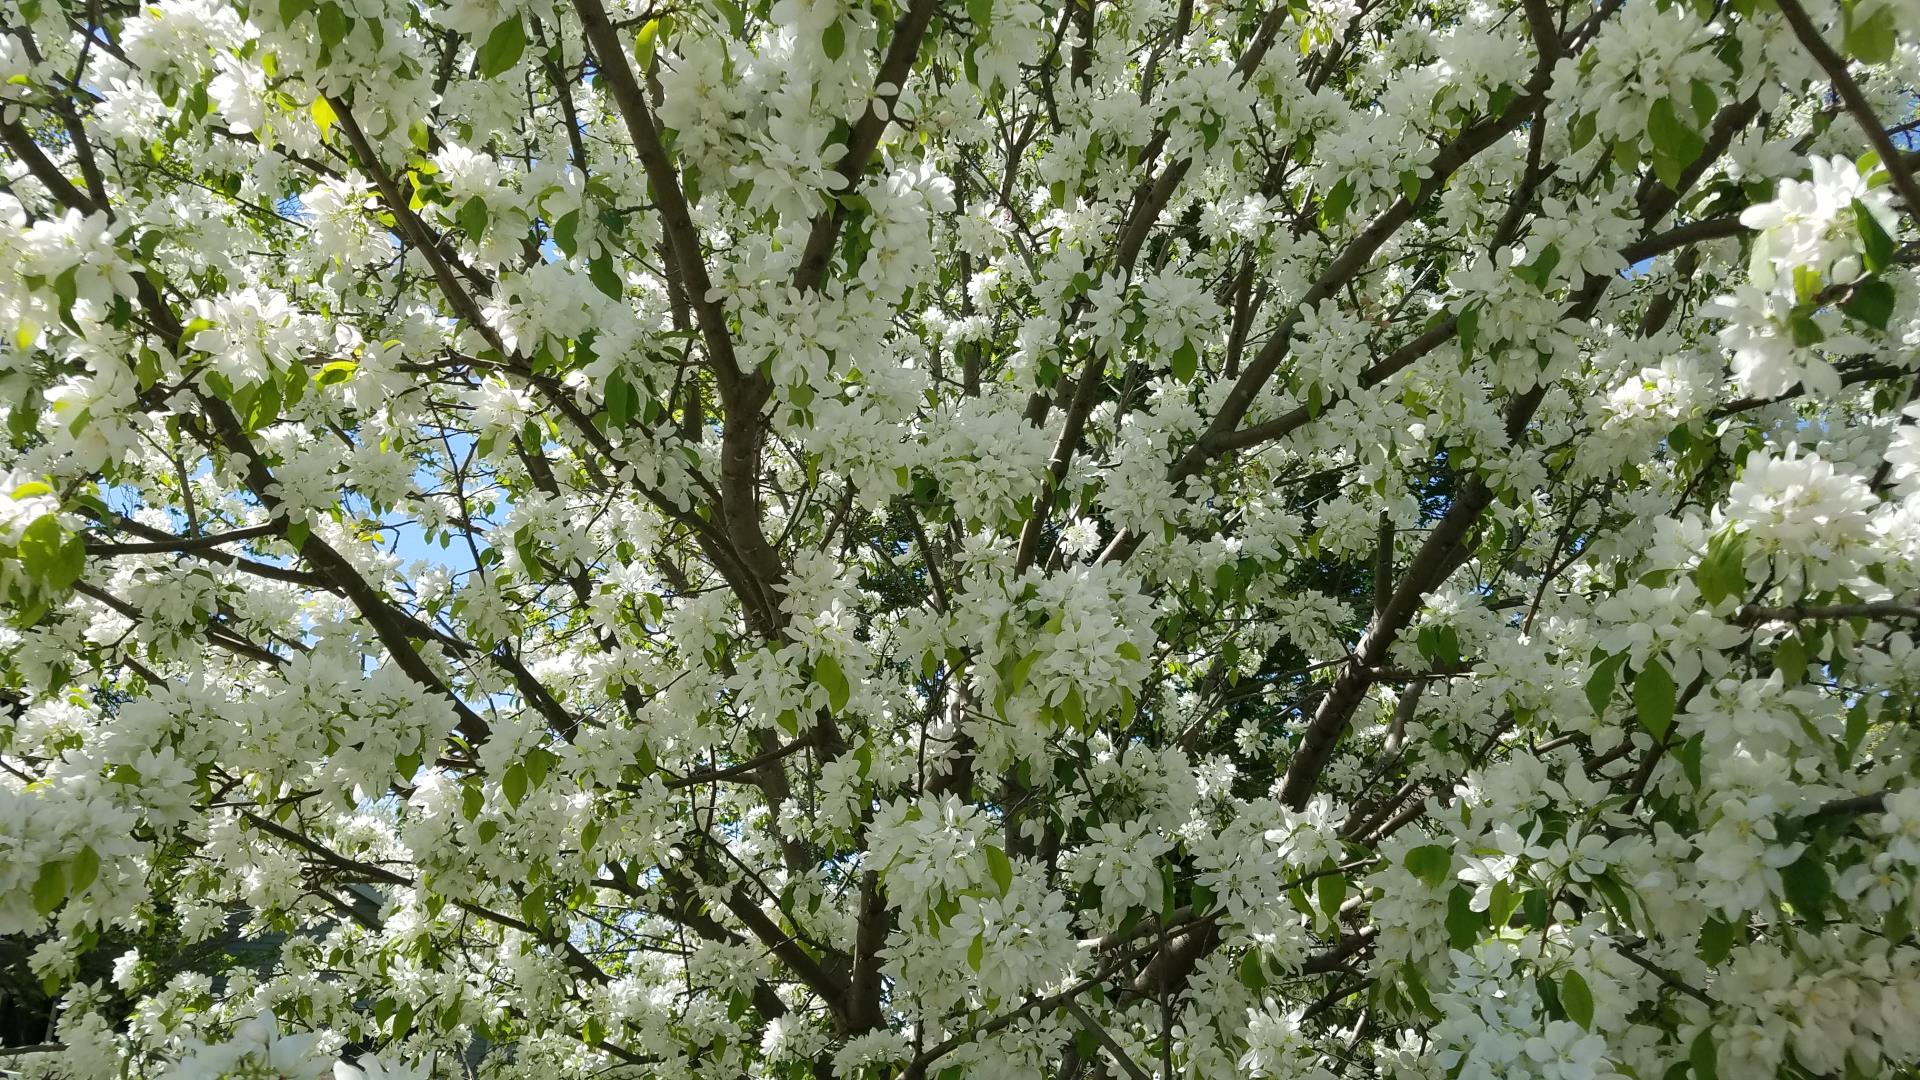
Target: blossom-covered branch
1006, 538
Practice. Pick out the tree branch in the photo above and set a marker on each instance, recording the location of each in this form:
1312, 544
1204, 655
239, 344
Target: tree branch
1891, 157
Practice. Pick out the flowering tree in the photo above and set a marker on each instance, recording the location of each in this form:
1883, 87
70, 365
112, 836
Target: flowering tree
1072, 539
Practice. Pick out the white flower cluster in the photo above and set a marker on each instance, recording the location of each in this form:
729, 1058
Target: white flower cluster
1002, 538
1810, 241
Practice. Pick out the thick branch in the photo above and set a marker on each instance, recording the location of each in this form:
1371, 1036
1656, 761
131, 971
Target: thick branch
863, 140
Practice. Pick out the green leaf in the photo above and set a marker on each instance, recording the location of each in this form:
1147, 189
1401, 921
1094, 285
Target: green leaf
503, 47
1673, 141
1600, 684
1253, 973
473, 217
1877, 247
1000, 867
1469, 328
1807, 284
1016, 679
1804, 330
1333, 209
1897, 925
1537, 908
981, 12
977, 952
566, 232
1073, 709
622, 400
1501, 900
1549, 996
51, 557
1871, 40
1723, 570
262, 407
1333, 892
67, 287
1416, 988
82, 871
1430, 863
1186, 362
645, 42
1704, 1056
338, 371
1857, 724
514, 783
1689, 754
1807, 885
192, 330
334, 24
472, 799
1440, 644
39, 544
1790, 659
1870, 302
1538, 271
1463, 923
1653, 698
1618, 898
537, 762
601, 272
49, 888
1705, 104
402, 1019
1671, 171
323, 116
1585, 126
1577, 999
826, 672
527, 546
833, 41
1716, 942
